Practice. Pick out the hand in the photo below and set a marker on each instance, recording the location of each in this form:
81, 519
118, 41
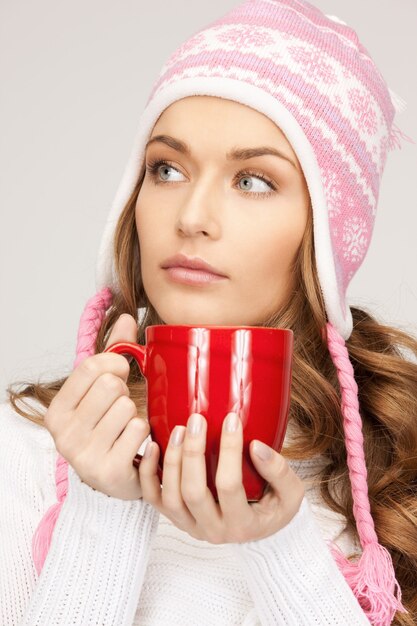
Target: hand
94, 423
187, 501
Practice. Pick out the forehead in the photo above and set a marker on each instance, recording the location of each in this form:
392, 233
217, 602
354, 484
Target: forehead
220, 118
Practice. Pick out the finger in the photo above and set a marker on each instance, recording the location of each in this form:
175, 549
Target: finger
107, 391
275, 469
172, 499
84, 376
114, 421
125, 329
149, 480
231, 492
126, 445
197, 496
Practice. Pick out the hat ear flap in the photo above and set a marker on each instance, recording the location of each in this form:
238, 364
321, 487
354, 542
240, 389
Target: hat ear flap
90, 324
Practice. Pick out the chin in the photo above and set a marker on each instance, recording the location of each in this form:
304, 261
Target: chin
194, 319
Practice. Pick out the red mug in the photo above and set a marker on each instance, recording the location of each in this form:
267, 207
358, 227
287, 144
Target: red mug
213, 370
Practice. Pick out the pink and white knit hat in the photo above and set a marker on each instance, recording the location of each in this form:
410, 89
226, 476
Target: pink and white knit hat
309, 73
316, 81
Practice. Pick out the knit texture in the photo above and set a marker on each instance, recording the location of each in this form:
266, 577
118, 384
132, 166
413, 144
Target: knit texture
89, 325
313, 77
372, 578
310, 74
117, 562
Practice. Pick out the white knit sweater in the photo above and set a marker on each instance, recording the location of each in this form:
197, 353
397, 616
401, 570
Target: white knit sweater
122, 563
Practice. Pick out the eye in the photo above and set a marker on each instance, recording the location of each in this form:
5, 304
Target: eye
153, 168
246, 175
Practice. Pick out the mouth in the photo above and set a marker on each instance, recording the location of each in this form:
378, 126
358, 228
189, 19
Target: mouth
189, 276
191, 270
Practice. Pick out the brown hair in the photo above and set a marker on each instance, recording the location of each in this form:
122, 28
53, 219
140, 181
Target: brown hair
387, 383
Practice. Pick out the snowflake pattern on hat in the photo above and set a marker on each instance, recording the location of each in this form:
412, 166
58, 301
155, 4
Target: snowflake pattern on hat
317, 68
309, 73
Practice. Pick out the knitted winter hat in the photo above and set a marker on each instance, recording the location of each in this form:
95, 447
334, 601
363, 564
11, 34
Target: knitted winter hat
309, 74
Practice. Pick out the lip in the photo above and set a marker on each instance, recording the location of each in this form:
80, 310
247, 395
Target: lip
192, 277
191, 263
191, 270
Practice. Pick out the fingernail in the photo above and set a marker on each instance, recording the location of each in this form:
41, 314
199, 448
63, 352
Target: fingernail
231, 422
195, 424
148, 450
177, 436
262, 451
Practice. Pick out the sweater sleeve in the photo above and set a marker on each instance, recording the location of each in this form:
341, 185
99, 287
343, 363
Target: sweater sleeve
96, 564
293, 578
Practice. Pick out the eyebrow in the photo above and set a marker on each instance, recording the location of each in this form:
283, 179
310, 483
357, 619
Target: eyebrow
238, 154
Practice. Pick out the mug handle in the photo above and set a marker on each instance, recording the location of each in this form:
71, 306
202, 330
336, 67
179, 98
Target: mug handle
139, 354
133, 349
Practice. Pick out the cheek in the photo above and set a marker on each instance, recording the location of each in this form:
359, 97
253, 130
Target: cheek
147, 250
154, 244
265, 260
270, 247
142, 212
146, 227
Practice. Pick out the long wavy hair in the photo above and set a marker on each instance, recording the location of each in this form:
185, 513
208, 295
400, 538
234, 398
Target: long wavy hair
385, 372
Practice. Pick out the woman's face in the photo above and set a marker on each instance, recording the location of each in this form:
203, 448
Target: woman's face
206, 203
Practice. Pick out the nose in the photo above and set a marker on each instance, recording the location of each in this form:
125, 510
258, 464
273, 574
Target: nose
199, 210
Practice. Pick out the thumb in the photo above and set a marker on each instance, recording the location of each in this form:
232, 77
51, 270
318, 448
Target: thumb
275, 469
125, 329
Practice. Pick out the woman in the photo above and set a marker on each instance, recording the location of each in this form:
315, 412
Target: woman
289, 242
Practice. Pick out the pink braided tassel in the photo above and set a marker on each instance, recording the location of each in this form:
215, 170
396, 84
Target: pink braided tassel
372, 577
90, 323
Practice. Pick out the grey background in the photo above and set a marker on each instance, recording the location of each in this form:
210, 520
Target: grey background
74, 79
